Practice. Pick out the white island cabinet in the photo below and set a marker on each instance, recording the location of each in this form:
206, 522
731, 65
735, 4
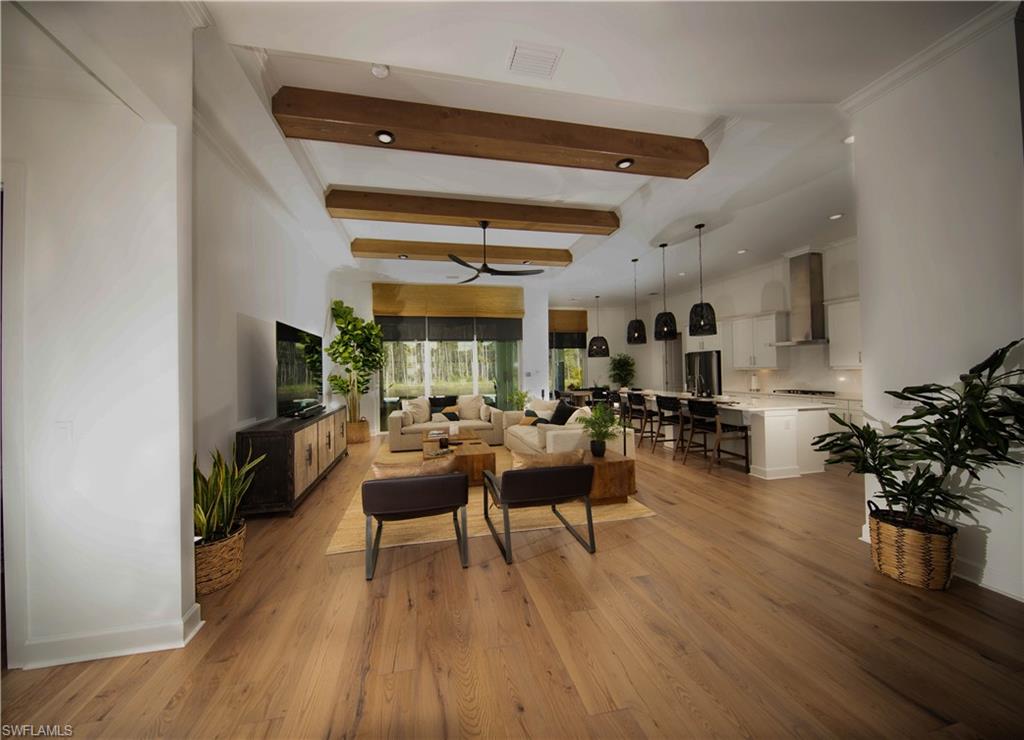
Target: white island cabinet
781, 433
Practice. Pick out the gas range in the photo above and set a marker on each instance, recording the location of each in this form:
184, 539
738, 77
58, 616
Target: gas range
801, 392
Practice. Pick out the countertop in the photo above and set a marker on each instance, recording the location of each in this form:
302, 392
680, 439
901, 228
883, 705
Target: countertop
746, 404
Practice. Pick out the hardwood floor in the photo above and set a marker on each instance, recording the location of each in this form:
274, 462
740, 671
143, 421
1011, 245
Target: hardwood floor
746, 608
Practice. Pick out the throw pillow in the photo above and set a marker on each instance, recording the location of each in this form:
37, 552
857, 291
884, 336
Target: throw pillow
438, 418
546, 459
485, 412
543, 409
469, 406
451, 413
440, 466
562, 413
420, 408
529, 421
578, 414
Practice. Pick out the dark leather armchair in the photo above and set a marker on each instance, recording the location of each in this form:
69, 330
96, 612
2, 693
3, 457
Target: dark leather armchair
538, 487
394, 499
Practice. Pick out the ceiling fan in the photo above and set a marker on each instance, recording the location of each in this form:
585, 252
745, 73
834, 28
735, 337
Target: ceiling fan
486, 269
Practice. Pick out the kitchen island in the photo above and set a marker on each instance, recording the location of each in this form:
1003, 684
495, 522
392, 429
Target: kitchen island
781, 432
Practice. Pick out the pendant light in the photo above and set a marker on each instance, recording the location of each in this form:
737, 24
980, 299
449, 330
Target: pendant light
636, 332
702, 315
664, 322
598, 346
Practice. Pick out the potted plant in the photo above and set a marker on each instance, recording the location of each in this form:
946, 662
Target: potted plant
600, 425
220, 534
622, 369
517, 400
358, 349
928, 463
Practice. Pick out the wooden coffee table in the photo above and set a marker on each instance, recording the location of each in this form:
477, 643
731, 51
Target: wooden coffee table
614, 478
472, 455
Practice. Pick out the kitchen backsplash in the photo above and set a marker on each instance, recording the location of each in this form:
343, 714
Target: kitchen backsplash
806, 367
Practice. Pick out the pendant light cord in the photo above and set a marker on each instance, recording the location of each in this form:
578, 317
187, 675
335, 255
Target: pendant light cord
700, 261
664, 290
597, 312
636, 310
483, 225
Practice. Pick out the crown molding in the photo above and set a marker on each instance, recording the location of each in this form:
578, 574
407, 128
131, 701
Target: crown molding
197, 13
981, 24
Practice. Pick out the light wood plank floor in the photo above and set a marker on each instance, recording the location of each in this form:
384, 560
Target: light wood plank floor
744, 609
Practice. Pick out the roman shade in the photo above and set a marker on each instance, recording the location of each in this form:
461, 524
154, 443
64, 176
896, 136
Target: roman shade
567, 340
499, 330
402, 328
449, 329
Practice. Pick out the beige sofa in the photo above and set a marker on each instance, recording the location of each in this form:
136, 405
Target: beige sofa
555, 438
410, 437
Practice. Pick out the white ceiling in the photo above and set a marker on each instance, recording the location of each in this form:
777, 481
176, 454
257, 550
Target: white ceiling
757, 81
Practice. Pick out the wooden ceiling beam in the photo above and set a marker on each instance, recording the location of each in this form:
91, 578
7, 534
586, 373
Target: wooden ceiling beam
355, 119
392, 249
424, 209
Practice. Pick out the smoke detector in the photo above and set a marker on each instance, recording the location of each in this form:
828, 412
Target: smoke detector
534, 60
380, 71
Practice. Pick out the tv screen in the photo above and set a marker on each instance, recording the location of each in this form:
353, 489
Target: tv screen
299, 370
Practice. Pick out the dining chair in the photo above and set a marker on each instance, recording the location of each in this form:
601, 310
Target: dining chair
706, 419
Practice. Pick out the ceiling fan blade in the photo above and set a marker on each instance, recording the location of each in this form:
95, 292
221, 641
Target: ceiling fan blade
459, 261
469, 280
492, 271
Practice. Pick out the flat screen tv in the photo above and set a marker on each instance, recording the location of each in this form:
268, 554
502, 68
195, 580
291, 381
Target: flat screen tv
300, 362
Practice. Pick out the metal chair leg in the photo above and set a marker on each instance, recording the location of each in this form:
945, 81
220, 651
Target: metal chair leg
372, 546
506, 548
590, 546
462, 535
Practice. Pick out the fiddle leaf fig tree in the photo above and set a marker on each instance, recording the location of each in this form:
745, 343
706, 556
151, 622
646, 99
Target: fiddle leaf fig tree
358, 350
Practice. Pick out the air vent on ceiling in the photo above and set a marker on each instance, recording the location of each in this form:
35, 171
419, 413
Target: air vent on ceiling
535, 60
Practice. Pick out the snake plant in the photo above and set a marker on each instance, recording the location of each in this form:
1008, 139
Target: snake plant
216, 496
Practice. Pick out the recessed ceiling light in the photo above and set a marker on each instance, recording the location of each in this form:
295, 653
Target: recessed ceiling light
653, 293
849, 139
624, 164
574, 299
741, 251
682, 274
384, 137
835, 217
403, 256
380, 71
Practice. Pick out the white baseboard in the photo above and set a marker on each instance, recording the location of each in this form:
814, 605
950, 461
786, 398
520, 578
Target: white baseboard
774, 473
110, 644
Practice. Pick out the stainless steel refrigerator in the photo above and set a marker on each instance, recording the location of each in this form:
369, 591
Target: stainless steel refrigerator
704, 373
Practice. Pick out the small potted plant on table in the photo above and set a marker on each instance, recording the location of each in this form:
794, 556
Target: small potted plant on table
220, 534
926, 461
600, 425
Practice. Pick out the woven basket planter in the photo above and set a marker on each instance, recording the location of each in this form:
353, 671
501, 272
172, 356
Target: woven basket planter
912, 556
218, 564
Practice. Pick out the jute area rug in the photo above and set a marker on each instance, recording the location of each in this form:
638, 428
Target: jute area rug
350, 534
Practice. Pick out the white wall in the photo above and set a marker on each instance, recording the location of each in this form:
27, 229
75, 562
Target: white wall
613, 327
97, 483
252, 270
938, 172
533, 359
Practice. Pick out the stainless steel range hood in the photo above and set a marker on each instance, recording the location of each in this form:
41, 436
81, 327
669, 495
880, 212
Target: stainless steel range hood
806, 301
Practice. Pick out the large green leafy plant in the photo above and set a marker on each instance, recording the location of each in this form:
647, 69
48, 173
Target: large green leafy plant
216, 496
358, 350
622, 369
953, 431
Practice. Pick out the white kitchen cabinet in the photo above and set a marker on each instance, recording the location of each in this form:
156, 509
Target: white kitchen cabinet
844, 337
704, 344
754, 340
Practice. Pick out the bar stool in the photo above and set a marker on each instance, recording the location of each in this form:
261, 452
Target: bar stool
670, 412
705, 418
637, 411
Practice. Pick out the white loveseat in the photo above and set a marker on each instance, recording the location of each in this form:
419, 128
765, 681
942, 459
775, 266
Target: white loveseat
404, 437
554, 438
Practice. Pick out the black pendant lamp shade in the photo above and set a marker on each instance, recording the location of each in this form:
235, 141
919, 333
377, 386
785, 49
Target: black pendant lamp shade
636, 331
702, 315
665, 322
598, 346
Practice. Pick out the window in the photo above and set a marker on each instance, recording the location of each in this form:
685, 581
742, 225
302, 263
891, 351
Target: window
441, 356
566, 367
